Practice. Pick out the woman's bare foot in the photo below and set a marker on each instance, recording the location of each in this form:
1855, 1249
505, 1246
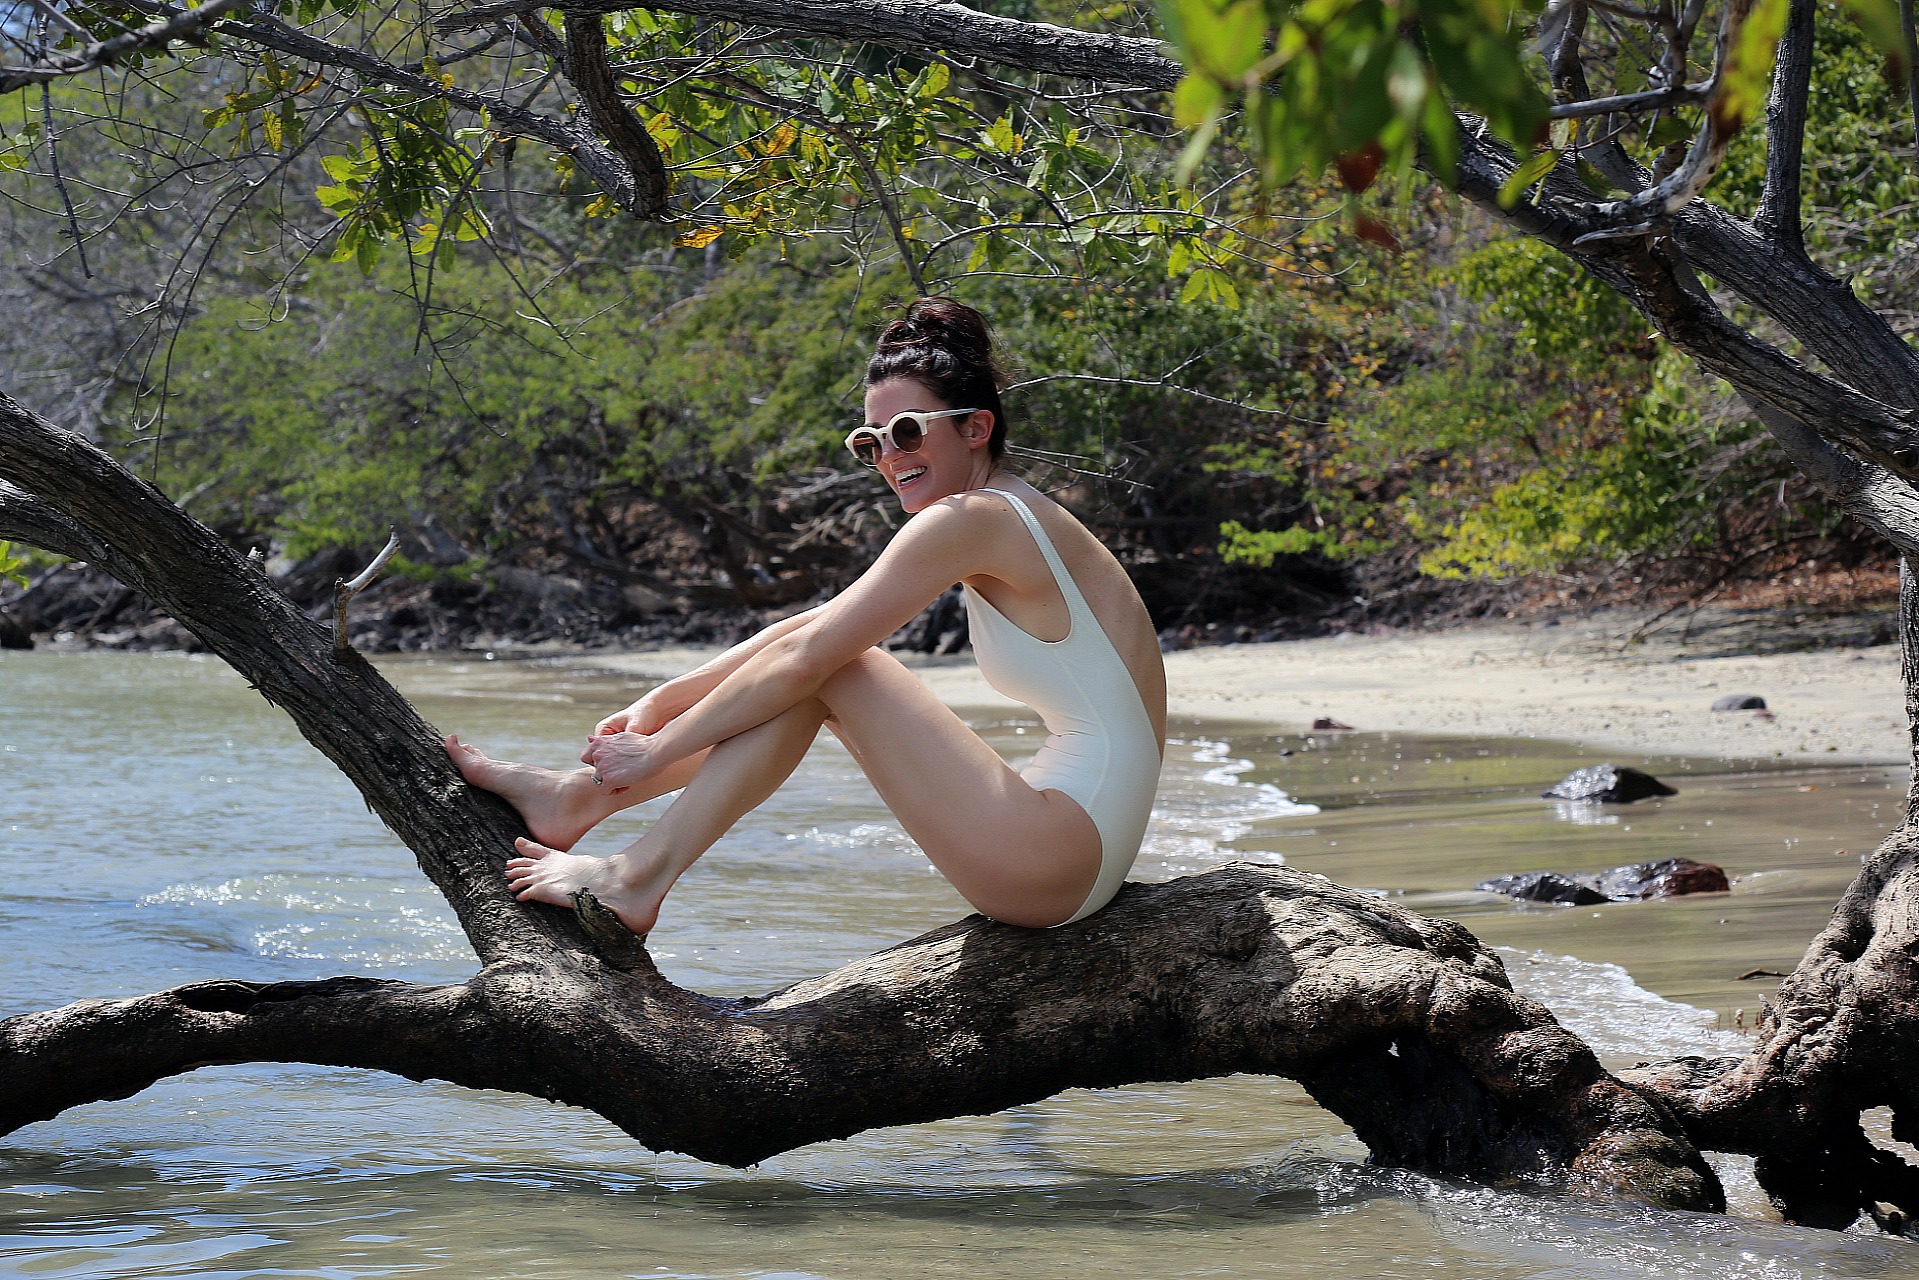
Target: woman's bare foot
557, 805
631, 892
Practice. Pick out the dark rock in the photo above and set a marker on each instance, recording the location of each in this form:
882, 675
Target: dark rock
1739, 702
1608, 784
1665, 878
1545, 886
13, 635
1326, 724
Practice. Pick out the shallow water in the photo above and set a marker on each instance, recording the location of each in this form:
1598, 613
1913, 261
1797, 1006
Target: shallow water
190, 834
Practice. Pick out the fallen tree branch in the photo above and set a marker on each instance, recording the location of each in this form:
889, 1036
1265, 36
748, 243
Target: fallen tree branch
1842, 1037
1403, 1025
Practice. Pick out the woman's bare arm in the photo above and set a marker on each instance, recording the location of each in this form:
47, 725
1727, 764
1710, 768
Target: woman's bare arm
938, 547
672, 698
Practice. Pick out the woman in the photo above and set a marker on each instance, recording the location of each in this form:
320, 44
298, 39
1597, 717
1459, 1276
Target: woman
1055, 623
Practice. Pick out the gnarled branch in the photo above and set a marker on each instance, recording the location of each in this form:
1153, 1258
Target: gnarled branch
586, 66
340, 702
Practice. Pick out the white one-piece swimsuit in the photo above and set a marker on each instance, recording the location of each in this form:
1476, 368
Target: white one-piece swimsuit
1101, 750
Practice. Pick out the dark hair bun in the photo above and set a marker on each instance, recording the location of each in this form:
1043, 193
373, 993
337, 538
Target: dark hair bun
943, 323
947, 347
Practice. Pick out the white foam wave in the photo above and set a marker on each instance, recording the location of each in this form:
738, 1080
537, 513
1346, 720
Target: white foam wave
1602, 1005
334, 919
1204, 804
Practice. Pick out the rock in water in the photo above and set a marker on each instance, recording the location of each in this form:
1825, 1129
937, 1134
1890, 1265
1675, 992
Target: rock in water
1739, 702
1545, 886
13, 635
1664, 878
1608, 784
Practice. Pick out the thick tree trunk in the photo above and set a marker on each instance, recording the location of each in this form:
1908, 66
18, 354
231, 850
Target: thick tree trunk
1842, 1039
1405, 1027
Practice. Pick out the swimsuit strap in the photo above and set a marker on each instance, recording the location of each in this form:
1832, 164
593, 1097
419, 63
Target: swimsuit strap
1068, 588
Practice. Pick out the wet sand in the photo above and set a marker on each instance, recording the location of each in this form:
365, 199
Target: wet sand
1609, 681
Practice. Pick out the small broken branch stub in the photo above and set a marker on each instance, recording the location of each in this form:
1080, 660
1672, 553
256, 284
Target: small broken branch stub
345, 589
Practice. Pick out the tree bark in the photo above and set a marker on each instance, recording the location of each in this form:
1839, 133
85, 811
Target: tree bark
1405, 1027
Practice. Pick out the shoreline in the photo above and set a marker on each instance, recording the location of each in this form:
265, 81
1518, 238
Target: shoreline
1587, 681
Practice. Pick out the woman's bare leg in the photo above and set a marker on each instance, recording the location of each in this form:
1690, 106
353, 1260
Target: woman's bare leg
734, 777
561, 805
1019, 855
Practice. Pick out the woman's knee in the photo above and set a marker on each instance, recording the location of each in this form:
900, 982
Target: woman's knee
870, 668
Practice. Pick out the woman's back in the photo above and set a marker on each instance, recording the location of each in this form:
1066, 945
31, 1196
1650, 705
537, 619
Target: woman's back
1026, 595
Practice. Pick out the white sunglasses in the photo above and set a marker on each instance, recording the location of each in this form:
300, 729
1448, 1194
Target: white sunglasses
907, 432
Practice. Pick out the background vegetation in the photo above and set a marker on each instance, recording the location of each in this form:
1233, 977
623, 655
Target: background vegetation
1274, 427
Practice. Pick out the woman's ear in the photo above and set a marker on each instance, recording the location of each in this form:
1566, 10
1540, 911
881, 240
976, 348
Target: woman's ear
978, 429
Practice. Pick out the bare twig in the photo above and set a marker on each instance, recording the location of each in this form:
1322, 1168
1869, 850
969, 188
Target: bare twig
1683, 95
345, 589
59, 181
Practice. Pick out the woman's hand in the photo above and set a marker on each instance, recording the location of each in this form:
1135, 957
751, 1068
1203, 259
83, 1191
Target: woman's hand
652, 712
621, 759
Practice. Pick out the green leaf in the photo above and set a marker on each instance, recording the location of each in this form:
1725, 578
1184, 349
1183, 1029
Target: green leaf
1597, 182
1669, 129
1210, 284
933, 81
1197, 100
1748, 71
1536, 166
12, 567
1226, 42
338, 199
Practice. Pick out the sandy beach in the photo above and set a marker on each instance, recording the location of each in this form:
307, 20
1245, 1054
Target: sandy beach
1607, 681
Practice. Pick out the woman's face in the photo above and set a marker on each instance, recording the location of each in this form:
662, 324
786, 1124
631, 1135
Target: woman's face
950, 460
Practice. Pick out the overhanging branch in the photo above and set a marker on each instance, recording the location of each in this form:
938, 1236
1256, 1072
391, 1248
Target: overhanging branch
925, 25
612, 171
182, 24
586, 66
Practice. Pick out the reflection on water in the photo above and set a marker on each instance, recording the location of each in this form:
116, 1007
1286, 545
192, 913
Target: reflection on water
192, 835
